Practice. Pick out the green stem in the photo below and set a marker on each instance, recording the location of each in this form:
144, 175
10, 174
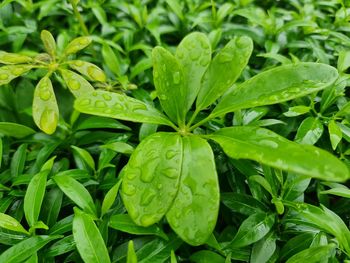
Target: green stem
194, 115
201, 122
78, 16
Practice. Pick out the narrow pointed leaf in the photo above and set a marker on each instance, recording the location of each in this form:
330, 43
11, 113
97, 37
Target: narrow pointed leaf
335, 133
13, 58
10, 223
194, 55
76, 45
118, 106
88, 239
169, 84
88, 69
10, 72
45, 109
269, 148
224, 70
338, 191
131, 258
187, 216
49, 42
313, 254
15, 130
76, 83
277, 85
110, 198
151, 178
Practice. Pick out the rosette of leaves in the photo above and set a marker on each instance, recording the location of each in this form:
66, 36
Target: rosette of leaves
75, 73
173, 174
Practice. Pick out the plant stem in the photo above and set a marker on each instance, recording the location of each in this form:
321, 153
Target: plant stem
78, 16
201, 122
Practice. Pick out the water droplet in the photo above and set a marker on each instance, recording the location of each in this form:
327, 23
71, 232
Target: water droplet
176, 77
45, 94
148, 196
84, 41
204, 61
225, 57
133, 173
4, 76
107, 97
128, 189
180, 54
147, 176
133, 212
156, 74
175, 223
96, 74
195, 54
108, 111
170, 154
74, 84
85, 102
269, 143
159, 186
100, 104
48, 121
139, 107
163, 97
147, 220
94, 94
78, 63
177, 214
18, 71
170, 173
118, 106
242, 42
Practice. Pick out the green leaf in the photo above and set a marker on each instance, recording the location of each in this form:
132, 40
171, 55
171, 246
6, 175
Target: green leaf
254, 228
95, 122
11, 223
52, 208
18, 160
131, 258
49, 42
85, 155
313, 254
309, 131
151, 178
88, 239
60, 247
118, 106
242, 203
10, 72
277, 85
76, 45
343, 60
206, 256
124, 223
45, 109
296, 244
121, 147
263, 250
111, 59
110, 198
173, 257
296, 111
169, 83
194, 55
76, 192
34, 197
335, 134
338, 191
1, 151
76, 83
269, 148
194, 211
13, 58
224, 70
25, 249
88, 69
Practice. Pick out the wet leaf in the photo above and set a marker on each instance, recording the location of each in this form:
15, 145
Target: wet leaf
313, 254
335, 133
76, 83
88, 69
10, 72
13, 58
76, 45
309, 131
49, 42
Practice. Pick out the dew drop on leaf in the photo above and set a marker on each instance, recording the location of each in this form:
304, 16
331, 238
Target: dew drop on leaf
74, 84
176, 77
45, 94
4, 76
148, 196
85, 102
128, 189
107, 97
170, 173
48, 121
100, 104
147, 176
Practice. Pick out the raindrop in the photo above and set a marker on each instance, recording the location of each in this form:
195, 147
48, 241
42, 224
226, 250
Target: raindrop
4, 76
269, 143
100, 104
180, 54
108, 111
148, 196
45, 94
95, 74
147, 177
170, 154
128, 189
83, 41
170, 173
118, 106
74, 84
225, 57
18, 71
163, 97
147, 220
139, 107
48, 121
85, 102
159, 186
176, 77
107, 97
94, 94
133, 212
195, 54
241, 42
78, 63
204, 61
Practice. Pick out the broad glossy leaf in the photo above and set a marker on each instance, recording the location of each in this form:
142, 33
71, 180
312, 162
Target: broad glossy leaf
88, 239
338, 191
118, 106
277, 85
309, 131
151, 177
25, 249
9, 72
242, 203
13, 58
88, 69
76, 45
110, 198
34, 197
313, 254
224, 70
124, 223
263, 250
194, 211
207, 256
269, 148
335, 133
169, 84
45, 109
296, 111
76, 192
194, 55
49, 42
76, 83
296, 244
10, 223
131, 258
254, 228
60, 247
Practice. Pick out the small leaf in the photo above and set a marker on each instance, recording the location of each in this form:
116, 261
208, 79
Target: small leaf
335, 134
85, 155
263, 250
313, 254
45, 109
49, 42
309, 131
25, 249
269, 148
88, 69
111, 59
11, 223
207, 256
76, 45
242, 203
131, 258
254, 228
224, 70
343, 60
121, 147
10, 72
88, 239
118, 106
13, 58
124, 223
15, 130
76, 192
18, 160
338, 191
110, 198
151, 177
277, 85
34, 197
76, 83
194, 211
297, 111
